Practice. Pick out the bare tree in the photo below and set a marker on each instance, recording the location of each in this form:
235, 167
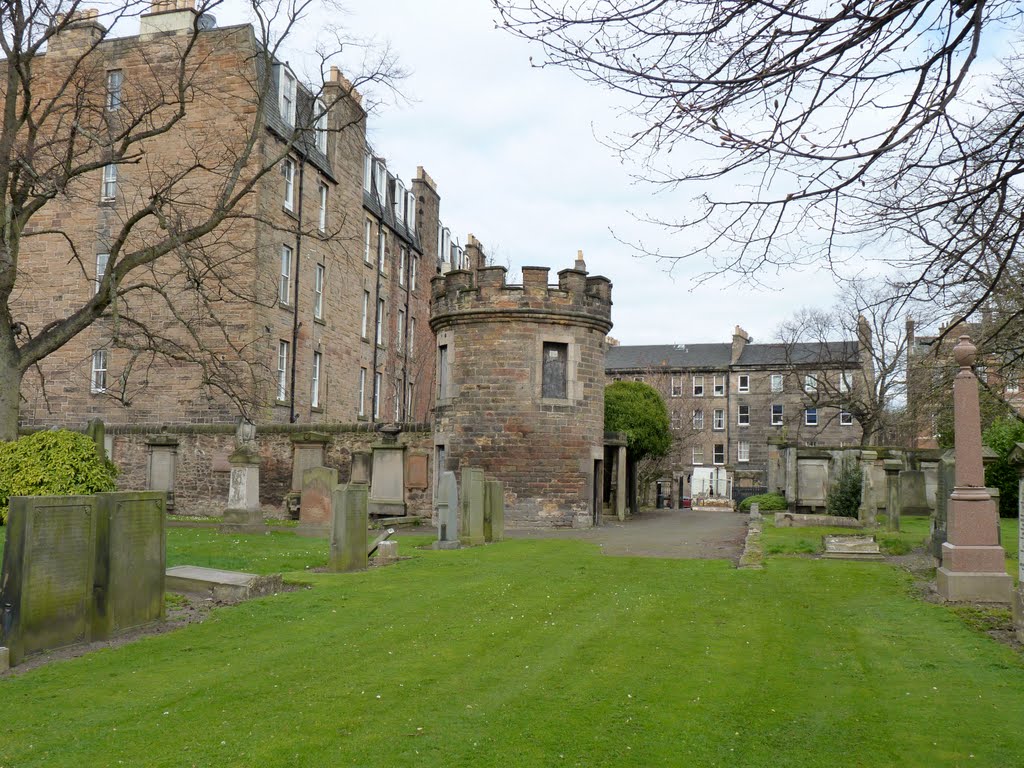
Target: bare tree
176, 251
860, 363
888, 129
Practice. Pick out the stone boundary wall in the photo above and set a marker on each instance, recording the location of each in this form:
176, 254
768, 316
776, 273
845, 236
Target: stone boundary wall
202, 471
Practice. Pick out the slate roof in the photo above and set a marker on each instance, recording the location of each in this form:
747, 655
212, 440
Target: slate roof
718, 356
668, 356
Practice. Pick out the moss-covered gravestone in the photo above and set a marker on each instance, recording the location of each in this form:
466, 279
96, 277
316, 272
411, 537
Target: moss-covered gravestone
80, 568
471, 518
348, 531
494, 510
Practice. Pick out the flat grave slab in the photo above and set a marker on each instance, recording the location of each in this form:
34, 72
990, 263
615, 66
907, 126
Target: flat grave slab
851, 548
220, 585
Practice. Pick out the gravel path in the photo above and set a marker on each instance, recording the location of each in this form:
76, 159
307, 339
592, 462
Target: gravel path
683, 534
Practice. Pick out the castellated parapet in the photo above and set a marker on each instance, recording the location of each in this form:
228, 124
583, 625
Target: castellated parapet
521, 387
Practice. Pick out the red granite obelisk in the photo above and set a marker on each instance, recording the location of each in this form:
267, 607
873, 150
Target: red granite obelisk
973, 562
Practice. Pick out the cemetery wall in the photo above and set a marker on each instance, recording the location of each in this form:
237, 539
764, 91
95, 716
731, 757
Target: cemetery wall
202, 470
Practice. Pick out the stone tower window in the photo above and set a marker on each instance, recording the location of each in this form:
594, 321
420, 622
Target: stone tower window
555, 370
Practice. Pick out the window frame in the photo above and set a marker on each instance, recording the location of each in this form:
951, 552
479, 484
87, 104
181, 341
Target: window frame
810, 384
403, 254
740, 386
367, 240
443, 372
810, 417
108, 188
697, 455
400, 331
314, 382
845, 419
320, 126
413, 265
283, 352
284, 284
777, 383
718, 454
98, 376
102, 265
361, 413
743, 415
322, 213
288, 174
378, 384
382, 250
698, 386
365, 328
288, 87
698, 419
718, 386
379, 331
718, 420
115, 85
845, 381
675, 386
743, 452
319, 282
781, 414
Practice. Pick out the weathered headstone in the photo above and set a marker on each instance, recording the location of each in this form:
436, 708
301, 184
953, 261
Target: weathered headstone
130, 561
892, 484
447, 512
851, 548
315, 515
973, 564
913, 496
387, 552
755, 511
162, 465
387, 486
471, 522
5, 659
945, 482
46, 584
348, 533
494, 510
812, 482
308, 451
417, 474
362, 464
243, 513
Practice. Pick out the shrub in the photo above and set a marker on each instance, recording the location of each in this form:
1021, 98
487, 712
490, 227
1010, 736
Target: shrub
767, 502
53, 463
1001, 437
843, 498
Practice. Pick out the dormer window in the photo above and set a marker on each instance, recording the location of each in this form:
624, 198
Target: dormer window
399, 201
286, 98
410, 211
380, 180
368, 173
321, 126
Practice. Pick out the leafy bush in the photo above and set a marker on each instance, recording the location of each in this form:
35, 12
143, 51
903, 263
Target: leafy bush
843, 498
638, 410
1001, 438
54, 463
767, 502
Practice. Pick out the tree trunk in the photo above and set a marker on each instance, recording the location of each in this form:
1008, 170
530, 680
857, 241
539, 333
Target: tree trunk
10, 392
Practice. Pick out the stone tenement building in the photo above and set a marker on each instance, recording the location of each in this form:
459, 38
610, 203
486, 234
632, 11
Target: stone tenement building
727, 402
310, 304
521, 387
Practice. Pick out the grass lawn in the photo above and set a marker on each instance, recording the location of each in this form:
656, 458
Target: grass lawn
534, 652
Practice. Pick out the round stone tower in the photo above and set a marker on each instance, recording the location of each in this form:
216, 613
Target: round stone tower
520, 387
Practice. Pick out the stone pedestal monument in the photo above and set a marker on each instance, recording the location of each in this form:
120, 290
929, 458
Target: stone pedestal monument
243, 514
972, 561
387, 479
1017, 459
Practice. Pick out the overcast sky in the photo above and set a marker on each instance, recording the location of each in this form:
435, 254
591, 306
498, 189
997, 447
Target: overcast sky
515, 152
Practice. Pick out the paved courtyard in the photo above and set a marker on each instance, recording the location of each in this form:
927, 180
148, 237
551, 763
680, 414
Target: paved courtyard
685, 534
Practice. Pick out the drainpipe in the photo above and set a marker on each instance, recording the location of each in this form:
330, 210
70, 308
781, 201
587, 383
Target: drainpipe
293, 417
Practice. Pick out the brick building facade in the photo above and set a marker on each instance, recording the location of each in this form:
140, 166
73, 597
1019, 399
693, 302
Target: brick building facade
521, 387
309, 304
728, 402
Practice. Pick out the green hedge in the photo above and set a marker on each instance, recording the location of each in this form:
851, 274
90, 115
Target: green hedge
767, 502
52, 463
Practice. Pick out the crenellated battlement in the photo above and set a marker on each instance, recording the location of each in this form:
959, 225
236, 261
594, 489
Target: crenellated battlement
467, 294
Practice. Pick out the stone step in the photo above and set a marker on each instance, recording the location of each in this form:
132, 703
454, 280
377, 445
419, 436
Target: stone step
220, 585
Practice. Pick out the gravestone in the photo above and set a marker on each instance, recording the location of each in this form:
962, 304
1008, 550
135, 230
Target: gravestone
130, 561
417, 474
315, 506
973, 563
755, 511
866, 511
5, 659
851, 548
447, 512
892, 484
913, 493
97, 432
348, 532
471, 519
46, 584
162, 465
387, 487
308, 451
362, 463
945, 481
494, 510
812, 483
243, 514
